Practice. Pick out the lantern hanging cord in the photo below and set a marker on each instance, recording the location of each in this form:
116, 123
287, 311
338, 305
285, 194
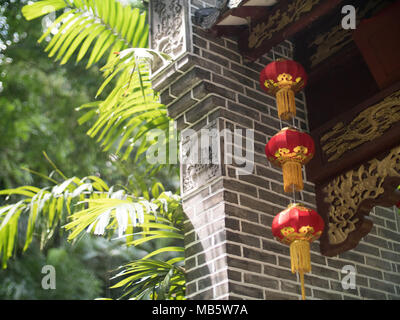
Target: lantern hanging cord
294, 195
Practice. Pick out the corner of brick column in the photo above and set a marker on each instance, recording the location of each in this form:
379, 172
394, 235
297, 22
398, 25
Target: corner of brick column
209, 87
195, 102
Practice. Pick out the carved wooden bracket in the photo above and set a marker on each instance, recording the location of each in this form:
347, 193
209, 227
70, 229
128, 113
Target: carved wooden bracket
348, 199
356, 136
357, 166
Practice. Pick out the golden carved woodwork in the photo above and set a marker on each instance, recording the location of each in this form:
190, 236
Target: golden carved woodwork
368, 125
330, 42
278, 21
346, 193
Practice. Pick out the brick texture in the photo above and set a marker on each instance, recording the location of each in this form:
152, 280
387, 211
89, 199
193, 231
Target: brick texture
230, 251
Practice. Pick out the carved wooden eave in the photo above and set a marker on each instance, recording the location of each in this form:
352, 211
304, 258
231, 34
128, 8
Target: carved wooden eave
355, 125
260, 27
236, 20
356, 167
359, 134
338, 76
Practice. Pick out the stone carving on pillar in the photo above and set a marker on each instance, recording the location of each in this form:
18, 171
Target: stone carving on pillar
200, 163
169, 26
351, 196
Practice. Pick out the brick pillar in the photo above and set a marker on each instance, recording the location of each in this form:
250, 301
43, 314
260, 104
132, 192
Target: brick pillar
230, 251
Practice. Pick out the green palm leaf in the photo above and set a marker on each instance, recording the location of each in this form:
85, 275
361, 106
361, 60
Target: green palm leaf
97, 28
160, 218
45, 210
131, 109
152, 278
106, 23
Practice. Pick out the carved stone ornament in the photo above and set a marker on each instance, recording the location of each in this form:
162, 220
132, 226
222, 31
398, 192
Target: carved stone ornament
351, 196
367, 126
265, 30
200, 164
168, 26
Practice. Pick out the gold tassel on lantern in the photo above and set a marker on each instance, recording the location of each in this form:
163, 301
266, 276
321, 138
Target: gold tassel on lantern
286, 103
292, 176
300, 260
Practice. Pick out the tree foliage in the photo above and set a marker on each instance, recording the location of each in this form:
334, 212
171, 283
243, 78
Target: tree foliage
74, 280
90, 205
108, 32
107, 28
37, 99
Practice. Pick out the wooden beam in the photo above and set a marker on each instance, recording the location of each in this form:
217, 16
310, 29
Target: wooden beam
243, 11
321, 169
283, 21
253, 12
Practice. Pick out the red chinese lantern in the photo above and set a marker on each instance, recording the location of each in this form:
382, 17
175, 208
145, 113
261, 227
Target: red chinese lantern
283, 78
290, 149
298, 226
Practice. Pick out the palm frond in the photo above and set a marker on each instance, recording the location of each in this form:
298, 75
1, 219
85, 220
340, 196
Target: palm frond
120, 213
92, 206
42, 211
121, 121
103, 25
160, 218
131, 110
152, 278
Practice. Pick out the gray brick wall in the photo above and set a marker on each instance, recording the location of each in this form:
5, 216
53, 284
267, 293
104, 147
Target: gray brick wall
230, 251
